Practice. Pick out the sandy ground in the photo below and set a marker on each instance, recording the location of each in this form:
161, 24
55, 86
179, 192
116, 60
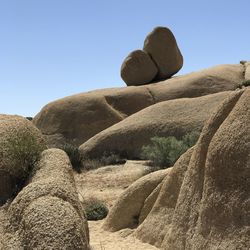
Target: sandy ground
122, 240
106, 184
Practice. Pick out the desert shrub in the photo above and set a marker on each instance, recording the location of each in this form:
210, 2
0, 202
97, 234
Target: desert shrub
90, 164
74, 156
24, 150
108, 158
111, 159
245, 83
95, 209
190, 139
19, 153
79, 162
163, 152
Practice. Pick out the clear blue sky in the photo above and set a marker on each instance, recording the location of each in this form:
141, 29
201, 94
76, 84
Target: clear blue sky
54, 48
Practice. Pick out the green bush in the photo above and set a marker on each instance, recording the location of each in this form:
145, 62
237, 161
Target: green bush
95, 209
163, 152
245, 83
190, 139
74, 156
24, 150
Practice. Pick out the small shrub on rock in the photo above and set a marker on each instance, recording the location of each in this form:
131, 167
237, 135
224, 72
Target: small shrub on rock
24, 150
163, 152
245, 83
95, 209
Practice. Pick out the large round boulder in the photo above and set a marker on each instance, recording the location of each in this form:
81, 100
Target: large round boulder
161, 45
138, 68
20, 146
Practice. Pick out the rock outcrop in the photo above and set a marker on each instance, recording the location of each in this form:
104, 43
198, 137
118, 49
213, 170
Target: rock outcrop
47, 214
203, 202
170, 118
77, 118
161, 45
20, 146
127, 209
138, 68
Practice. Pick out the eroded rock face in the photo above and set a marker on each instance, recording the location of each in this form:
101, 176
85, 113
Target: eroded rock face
161, 45
20, 146
77, 118
47, 214
217, 182
170, 118
203, 203
247, 71
138, 68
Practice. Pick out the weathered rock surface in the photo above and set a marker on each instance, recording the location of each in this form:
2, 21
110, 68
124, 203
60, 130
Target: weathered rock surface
170, 118
47, 214
126, 211
20, 144
247, 72
161, 45
203, 202
77, 118
138, 68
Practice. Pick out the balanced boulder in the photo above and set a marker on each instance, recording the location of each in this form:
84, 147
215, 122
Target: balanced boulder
138, 68
20, 146
161, 45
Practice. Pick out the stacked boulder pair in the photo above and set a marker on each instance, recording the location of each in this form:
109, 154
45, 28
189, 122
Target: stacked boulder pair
159, 60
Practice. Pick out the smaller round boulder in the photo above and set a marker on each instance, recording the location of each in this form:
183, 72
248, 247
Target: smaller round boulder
138, 68
161, 45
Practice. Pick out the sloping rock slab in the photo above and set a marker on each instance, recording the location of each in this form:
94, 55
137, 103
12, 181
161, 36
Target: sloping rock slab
169, 118
77, 118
